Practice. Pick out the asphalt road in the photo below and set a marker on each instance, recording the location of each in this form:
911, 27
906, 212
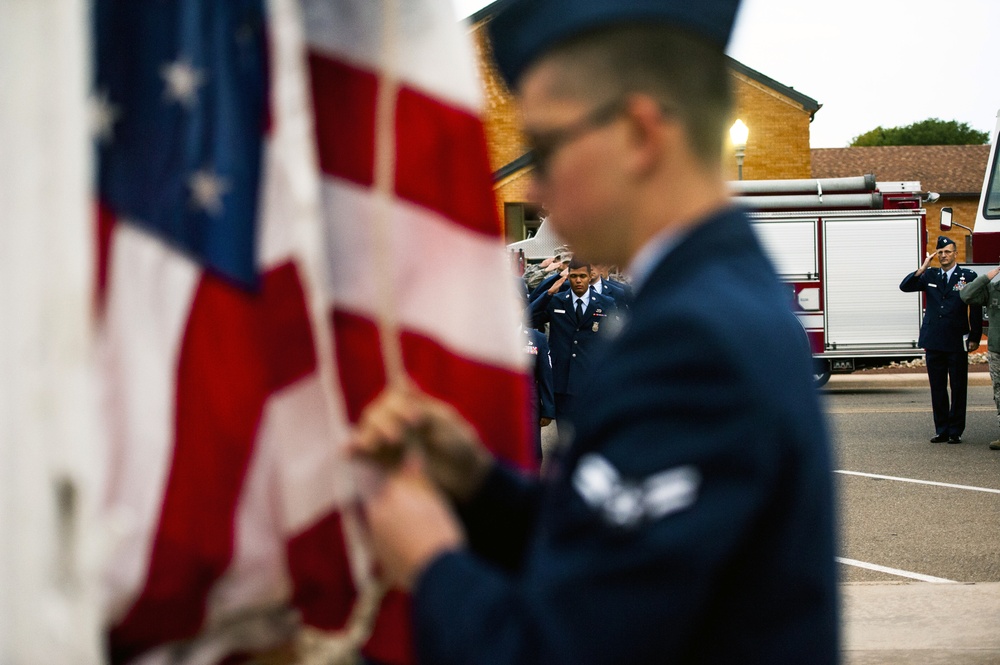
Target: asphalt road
949, 530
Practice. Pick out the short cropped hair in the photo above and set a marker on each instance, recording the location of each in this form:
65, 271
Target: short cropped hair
688, 75
576, 265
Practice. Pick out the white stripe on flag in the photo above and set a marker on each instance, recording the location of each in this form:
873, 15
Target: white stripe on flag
451, 284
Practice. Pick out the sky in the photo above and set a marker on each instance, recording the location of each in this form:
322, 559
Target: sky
872, 63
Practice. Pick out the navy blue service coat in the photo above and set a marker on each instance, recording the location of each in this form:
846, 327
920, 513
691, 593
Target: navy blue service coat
572, 343
946, 318
690, 519
619, 292
536, 346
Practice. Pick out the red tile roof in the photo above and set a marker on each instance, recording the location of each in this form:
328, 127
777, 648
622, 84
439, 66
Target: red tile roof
946, 169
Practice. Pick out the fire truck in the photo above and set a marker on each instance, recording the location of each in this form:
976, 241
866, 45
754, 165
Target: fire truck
842, 246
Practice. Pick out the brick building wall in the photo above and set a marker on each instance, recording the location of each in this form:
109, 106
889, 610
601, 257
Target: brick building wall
778, 143
963, 212
499, 111
777, 146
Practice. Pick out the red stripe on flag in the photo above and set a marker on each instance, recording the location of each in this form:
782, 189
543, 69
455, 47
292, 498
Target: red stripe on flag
105, 221
321, 574
496, 401
344, 113
442, 161
238, 348
391, 640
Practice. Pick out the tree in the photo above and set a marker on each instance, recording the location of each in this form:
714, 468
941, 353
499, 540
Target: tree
932, 131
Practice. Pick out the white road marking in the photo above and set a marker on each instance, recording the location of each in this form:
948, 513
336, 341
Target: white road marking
919, 482
895, 571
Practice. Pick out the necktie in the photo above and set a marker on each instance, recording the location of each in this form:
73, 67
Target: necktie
579, 310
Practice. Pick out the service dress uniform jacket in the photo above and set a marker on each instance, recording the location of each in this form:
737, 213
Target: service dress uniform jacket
537, 347
572, 342
615, 291
947, 318
690, 519
543, 406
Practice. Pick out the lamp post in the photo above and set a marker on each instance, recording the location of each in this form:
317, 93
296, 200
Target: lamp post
739, 133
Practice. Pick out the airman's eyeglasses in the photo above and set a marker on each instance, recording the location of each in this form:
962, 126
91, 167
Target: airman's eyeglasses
545, 145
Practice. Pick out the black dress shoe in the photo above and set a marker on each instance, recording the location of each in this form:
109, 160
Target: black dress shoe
954, 439
939, 438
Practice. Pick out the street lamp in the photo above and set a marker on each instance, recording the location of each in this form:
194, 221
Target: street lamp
739, 133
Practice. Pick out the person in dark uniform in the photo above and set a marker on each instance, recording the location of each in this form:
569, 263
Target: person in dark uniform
543, 406
950, 330
689, 517
577, 319
556, 271
617, 291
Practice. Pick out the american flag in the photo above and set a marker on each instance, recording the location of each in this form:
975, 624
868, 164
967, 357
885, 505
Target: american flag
294, 207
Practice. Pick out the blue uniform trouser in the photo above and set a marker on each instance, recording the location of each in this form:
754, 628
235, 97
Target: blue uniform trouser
942, 367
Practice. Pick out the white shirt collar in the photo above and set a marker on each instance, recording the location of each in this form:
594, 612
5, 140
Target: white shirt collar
585, 298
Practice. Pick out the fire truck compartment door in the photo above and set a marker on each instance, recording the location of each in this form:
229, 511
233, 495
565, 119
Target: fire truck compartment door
864, 262
791, 245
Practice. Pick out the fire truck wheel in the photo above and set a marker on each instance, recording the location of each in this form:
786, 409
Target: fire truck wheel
821, 373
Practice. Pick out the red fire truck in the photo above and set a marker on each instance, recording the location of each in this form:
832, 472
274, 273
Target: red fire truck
842, 245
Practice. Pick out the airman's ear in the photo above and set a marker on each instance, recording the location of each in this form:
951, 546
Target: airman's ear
654, 131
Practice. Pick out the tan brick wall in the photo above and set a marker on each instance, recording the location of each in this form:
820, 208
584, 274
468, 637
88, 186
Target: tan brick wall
778, 143
500, 113
963, 212
777, 147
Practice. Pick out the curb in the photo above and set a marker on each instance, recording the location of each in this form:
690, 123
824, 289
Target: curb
860, 380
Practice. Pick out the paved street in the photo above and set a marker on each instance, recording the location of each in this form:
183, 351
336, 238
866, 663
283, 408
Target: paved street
920, 530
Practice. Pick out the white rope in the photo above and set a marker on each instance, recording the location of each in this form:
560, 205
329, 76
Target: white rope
384, 190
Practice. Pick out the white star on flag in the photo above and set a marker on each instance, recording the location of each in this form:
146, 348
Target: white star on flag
207, 190
183, 81
103, 116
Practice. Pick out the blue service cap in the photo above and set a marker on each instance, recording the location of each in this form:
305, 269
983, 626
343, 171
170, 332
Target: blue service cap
944, 240
523, 30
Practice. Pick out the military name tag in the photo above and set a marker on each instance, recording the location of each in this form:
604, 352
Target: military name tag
558, 311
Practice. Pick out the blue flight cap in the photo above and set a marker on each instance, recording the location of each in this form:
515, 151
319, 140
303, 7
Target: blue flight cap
523, 30
944, 240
